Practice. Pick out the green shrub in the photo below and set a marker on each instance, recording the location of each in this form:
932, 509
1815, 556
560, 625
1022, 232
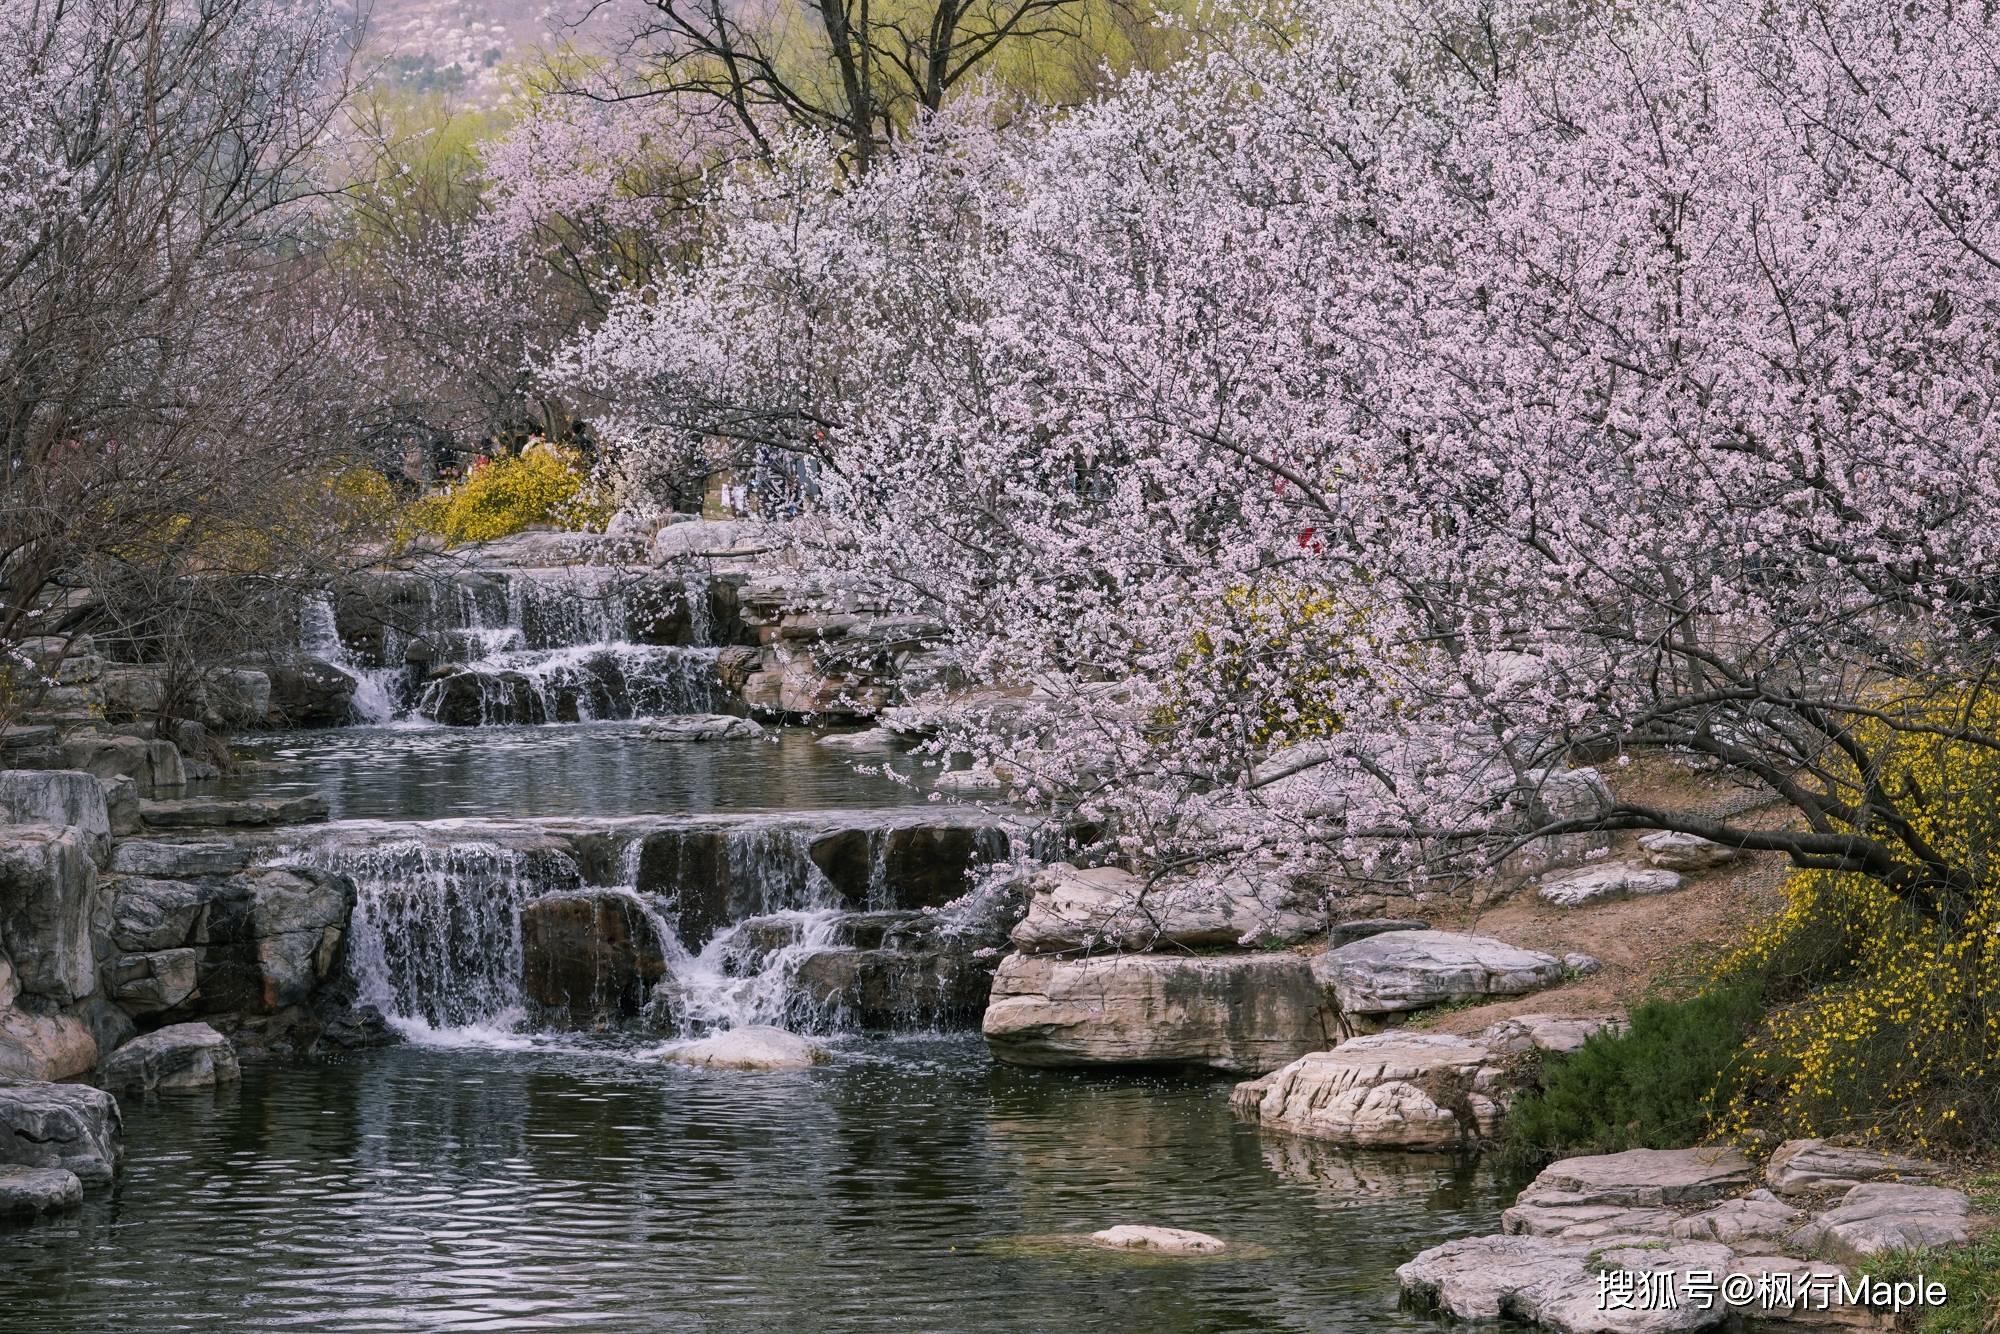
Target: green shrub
1651, 1087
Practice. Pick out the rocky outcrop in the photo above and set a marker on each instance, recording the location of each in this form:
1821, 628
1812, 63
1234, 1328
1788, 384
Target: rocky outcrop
590, 955
311, 692
68, 1126
54, 908
63, 798
1608, 884
1244, 1013
749, 1048
1107, 908
1399, 971
180, 1056
258, 949
1598, 1245
1409, 1090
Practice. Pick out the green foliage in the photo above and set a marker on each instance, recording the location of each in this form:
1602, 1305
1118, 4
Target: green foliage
1970, 1274
544, 484
1650, 1087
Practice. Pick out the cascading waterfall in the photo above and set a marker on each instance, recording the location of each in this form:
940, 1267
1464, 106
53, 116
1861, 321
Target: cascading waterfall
437, 929
734, 979
319, 635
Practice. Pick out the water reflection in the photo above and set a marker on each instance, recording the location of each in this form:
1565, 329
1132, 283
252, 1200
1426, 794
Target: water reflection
578, 769
900, 1188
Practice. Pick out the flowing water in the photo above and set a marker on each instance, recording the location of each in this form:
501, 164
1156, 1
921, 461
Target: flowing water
909, 1185
501, 1171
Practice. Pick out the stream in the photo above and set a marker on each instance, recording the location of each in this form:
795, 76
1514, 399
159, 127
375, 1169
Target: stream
498, 1170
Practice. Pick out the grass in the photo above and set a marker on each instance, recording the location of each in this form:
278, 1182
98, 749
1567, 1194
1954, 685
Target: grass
1970, 1274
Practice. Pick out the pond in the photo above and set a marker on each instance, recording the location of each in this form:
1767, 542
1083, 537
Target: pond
552, 1182
574, 769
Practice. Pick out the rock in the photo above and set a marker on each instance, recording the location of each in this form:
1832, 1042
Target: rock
1104, 907
143, 857
155, 981
1529, 1217
132, 692
200, 812
1881, 1216
1757, 1217
57, 797
1346, 933
45, 1046
109, 756
712, 538
311, 692
1387, 1090
1554, 1282
752, 1048
1157, 1240
872, 739
1237, 1012
1647, 1177
1412, 970
1802, 1166
703, 727
182, 1056
121, 806
1582, 965
69, 1126
236, 697
968, 780
591, 954
1686, 852
148, 914
1608, 884
31, 1192
52, 903
1558, 1033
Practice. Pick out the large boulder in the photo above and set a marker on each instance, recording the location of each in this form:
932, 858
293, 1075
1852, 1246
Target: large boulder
1106, 908
1608, 884
1238, 1012
590, 954
1157, 1240
1408, 1090
1686, 852
52, 905
63, 797
145, 857
312, 692
1388, 1090
1648, 1177
45, 1044
69, 1126
1413, 970
180, 1056
221, 812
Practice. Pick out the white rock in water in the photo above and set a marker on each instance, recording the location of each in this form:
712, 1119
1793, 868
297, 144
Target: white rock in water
968, 780
874, 738
756, 1047
702, 727
1608, 884
1156, 1240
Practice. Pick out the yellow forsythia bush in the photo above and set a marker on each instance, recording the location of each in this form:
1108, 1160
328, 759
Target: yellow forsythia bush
544, 484
1884, 1021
